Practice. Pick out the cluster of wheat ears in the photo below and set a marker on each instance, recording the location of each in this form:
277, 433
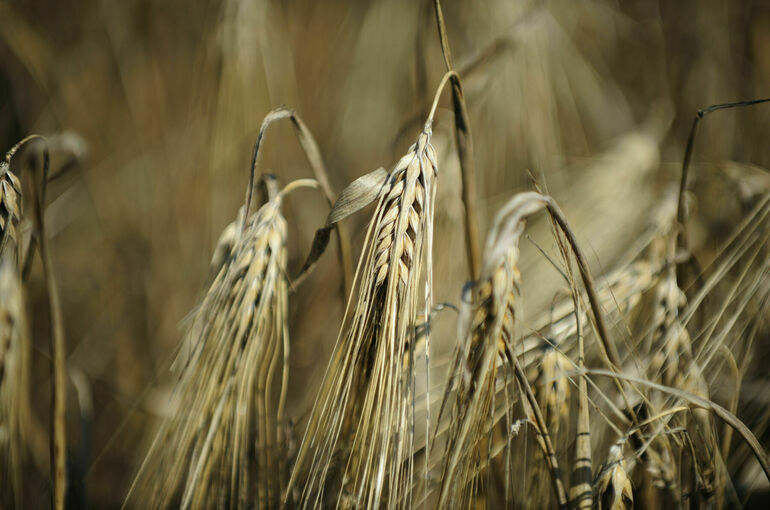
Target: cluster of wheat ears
603, 403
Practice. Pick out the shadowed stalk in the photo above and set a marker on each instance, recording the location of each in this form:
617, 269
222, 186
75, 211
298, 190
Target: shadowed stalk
58, 346
681, 210
465, 151
580, 494
313, 155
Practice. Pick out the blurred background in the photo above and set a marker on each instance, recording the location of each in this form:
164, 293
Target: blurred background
153, 108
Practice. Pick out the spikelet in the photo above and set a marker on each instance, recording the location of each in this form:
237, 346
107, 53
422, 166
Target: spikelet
10, 205
361, 429
613, 487
487, 329
674, 365
222, 444
14, 382
491, 330
553, 389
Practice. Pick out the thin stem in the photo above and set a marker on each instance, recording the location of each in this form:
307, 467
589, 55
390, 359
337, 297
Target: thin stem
581, 496
607, 346
681, 212
313, 155
299, 184
464, 142
601, 326
437, 96
58, 346
542, 428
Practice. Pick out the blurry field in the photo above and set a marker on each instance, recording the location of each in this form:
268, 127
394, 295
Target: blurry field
152, 109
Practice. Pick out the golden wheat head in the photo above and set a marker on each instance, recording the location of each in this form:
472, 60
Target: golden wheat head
223, 440
360, 433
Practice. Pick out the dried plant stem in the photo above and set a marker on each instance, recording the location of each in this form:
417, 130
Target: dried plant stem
464, 150
681, 210
544, 438
608, 347
58, 347
702, 403
313, 155
581, 496
609, 351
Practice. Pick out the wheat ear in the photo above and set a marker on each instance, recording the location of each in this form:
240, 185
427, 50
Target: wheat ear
360, 434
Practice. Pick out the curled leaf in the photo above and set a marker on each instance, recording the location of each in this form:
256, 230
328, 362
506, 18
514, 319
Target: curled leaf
360, 193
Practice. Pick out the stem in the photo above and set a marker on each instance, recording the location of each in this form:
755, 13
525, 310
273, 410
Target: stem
581, 495
58, 346
608, 347
464, 142
681, 212
545, 444
609, 351
437, 96
313, 155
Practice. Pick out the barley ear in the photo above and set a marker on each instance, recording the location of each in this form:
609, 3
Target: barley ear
357, 448
613, 486
226, 439
489, 336
15, 410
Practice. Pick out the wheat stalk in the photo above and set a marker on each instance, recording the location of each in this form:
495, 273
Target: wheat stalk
464, 149
313, 155
58, 439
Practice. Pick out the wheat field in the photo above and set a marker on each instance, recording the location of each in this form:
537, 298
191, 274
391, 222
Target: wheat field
384, 254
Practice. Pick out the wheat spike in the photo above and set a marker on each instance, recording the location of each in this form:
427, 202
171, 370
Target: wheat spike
358, 445
491, 328
553, 389
365, 386
613, 485
222, 445
10, 205
14, 380
489, 333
